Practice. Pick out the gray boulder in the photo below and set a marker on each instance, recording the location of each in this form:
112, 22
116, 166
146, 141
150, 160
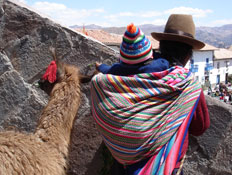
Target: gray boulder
211, 153
25, 37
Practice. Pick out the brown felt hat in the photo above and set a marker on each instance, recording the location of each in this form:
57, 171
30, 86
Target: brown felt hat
179, 28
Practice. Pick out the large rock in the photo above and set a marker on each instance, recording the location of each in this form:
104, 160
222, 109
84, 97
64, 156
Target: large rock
211, 153
25, 37
20, 102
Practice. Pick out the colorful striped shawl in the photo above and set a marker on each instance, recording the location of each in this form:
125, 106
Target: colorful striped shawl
139, 115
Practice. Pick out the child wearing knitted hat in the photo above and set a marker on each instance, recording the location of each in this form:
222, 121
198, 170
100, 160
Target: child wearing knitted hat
120, 102
136, 56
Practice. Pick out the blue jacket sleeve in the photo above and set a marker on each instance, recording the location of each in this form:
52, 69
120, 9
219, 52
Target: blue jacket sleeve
103, 68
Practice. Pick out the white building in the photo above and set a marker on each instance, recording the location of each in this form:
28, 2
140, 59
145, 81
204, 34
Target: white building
222, 65
211, 63
201, 63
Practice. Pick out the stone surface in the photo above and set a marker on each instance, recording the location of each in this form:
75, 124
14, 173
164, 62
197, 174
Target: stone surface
211, 153
20, 103
25, 37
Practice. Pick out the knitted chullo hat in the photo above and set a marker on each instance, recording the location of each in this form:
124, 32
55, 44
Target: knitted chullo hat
135, 47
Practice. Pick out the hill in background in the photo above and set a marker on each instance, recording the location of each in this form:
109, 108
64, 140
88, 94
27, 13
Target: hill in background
220, 37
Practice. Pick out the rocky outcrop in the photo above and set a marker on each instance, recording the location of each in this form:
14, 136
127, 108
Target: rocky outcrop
211, 153
25, 37
20, 102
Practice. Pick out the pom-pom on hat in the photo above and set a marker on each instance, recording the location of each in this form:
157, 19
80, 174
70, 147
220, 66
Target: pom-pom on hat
135, 47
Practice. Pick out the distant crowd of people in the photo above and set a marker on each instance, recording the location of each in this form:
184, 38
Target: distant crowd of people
221, 90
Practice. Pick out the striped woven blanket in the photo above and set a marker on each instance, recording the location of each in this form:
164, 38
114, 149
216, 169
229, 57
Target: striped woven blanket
140, 115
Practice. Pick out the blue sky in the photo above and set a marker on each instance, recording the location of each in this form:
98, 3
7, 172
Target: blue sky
122, 12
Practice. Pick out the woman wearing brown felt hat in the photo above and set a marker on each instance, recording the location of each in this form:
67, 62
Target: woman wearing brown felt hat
180, 103
178, 39
177, 43
145, 118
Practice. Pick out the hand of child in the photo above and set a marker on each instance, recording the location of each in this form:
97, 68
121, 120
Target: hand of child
97, 64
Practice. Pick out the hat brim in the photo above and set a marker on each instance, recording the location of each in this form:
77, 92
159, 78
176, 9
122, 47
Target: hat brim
196, 44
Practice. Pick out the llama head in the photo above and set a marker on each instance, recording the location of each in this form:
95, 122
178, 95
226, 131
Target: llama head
55, 72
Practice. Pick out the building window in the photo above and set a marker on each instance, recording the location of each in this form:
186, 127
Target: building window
218, 65
227, 64
192, 61
208, 66
218, 79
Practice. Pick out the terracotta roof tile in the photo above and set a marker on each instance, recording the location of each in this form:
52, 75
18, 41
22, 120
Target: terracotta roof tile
208, 47
115, 39
112, 39
222, 54
102, 36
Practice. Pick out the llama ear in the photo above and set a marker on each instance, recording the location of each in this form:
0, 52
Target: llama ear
60, 70
53, 52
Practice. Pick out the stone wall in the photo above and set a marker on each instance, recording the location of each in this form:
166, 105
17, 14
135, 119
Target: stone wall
25, 37
211, 153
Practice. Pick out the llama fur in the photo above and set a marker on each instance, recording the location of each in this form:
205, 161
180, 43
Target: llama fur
45, 151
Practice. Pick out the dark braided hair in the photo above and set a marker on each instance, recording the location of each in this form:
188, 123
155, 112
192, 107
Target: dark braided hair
177, 53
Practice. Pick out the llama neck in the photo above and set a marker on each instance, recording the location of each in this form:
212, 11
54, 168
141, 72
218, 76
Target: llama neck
57, 118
